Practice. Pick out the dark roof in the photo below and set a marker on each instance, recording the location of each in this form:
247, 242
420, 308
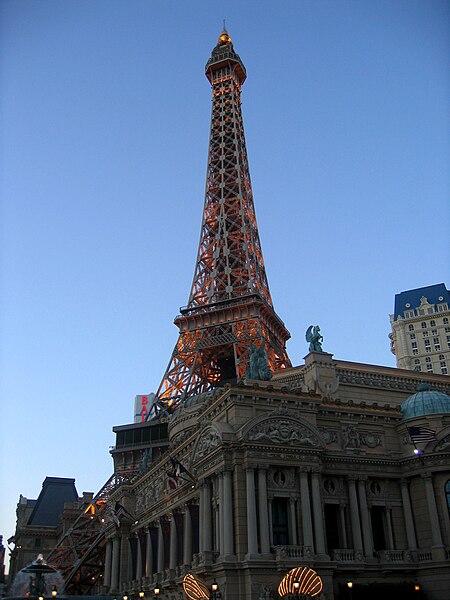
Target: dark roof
412, 297
50, 503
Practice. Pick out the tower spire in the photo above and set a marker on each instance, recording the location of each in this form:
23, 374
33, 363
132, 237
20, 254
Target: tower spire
230, 309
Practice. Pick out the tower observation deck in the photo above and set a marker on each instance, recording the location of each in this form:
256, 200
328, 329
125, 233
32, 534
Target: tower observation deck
230, 309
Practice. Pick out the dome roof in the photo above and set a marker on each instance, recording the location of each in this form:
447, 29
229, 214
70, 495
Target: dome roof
425, 402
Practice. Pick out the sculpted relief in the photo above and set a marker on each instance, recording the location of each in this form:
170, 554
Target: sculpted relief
283, 431
209, 440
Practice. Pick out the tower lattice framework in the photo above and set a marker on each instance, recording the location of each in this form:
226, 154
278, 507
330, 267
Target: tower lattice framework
230, 308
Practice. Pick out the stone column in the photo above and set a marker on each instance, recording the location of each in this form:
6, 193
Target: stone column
207, 520
270, 521
108, 562
317, 513
390, 533
220, 530
252, 532
173, 543
148, 554
201, 503
115, 564
228, 531
263, 511
187, 547
365, 519
354, 515
160, 561
293, 528
432, 511
408, 515
138, 558
308, 539
343, 525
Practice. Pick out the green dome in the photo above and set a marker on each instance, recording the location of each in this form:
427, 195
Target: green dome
425, 402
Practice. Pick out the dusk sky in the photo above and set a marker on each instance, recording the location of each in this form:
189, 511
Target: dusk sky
104, 120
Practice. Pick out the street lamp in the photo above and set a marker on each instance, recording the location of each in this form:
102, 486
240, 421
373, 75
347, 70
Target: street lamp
215, 588
156, 591
125, 597
141, 594
296, 585
350, 587
54, 591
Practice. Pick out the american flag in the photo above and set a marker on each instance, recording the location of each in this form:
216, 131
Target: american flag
420, 435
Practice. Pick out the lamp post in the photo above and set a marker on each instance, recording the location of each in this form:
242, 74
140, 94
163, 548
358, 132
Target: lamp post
296, 585
350, 588
54, 592
157, 591
141, 594
215, 590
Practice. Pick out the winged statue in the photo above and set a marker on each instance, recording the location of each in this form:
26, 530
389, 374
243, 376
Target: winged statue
314, 338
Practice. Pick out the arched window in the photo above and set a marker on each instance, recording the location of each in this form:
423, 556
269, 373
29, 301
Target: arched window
447, 495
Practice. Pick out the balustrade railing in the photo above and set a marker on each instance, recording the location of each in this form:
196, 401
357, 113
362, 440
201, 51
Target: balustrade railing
293, 552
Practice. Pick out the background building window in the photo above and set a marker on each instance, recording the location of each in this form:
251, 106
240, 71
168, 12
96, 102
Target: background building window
423, 325
433, 323
411, 327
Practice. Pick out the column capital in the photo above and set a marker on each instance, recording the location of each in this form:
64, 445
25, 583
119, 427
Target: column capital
303, 471
427, 475
362, 479
352, 477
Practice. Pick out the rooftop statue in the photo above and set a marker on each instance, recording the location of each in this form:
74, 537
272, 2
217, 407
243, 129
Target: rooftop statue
314, 338
258, 367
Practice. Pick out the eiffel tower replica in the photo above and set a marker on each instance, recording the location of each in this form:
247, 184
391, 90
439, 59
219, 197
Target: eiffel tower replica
230, 311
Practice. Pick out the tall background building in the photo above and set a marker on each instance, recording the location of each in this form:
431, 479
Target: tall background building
420, 336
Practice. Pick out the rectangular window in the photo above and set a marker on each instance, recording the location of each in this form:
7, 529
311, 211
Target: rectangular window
415, 352
434, 332
421, 311
413, 336
377, 517
332, 526
411, 327
428, 349
444, 371
280, 521
427, 343
447, 330
428, 359
425, 333
414, 344
443, 363
436, 340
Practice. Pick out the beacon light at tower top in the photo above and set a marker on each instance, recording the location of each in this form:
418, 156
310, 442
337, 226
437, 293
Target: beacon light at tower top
230, 311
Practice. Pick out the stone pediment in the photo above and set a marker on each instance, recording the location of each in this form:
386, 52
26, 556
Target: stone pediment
281, 430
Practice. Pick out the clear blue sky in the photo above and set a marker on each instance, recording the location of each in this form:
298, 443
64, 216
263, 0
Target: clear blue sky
104, 121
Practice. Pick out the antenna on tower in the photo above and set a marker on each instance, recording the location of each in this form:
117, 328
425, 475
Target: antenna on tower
224, 27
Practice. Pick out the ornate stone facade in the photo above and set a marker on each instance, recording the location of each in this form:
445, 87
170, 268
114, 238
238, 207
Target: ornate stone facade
279, 475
